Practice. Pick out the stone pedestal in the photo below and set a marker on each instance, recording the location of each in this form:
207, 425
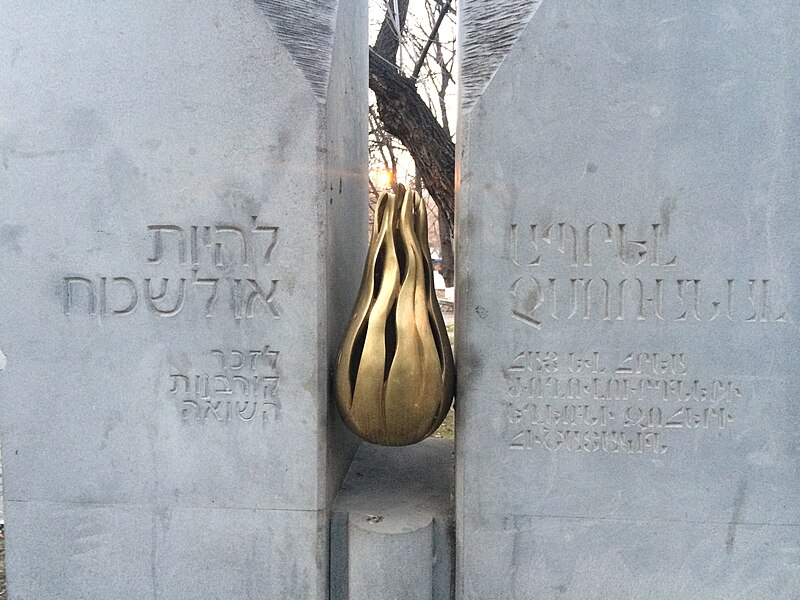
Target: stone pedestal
390, 557
392, 532
182, 183
628, 300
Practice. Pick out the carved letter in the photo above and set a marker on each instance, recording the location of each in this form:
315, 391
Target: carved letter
635, 251
68, 293
695, 306
243, 252
103, 297
194, 248
226, 385
134, 295
212, 298
276, 411
273, 231
524, 305
244, 384
213, 407
151, 299
656, 300
240, 355
656, 262
204, 394
621, 301
522, 362
175, 379
762, 309
158, 242
521, 441
243, 410
587, 299
221, 355
254, 354
272, 357
562, 240
588, 241
187, 406
271, 386
266, 299
514, 247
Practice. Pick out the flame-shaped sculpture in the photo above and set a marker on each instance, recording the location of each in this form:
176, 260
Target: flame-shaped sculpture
395, 374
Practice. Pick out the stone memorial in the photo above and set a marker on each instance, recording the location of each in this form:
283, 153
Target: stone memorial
180, 185
627, 419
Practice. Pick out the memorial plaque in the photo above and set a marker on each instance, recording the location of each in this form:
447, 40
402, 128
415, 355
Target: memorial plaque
627, 422
179, 182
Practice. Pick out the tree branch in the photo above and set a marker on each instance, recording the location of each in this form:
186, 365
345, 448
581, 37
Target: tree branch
406, 116
388, 40
433, 34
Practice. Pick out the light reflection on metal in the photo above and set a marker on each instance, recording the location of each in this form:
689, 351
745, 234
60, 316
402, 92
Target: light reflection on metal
395, 375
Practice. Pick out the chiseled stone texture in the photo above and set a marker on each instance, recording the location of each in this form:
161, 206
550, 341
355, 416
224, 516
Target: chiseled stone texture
653, 149
176, 180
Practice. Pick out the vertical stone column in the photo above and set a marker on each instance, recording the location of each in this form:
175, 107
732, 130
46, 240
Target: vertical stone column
181, 183
392, 525
628, 300
391, 557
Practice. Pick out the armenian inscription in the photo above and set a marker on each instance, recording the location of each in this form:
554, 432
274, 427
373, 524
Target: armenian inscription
634, 402
569, 402
202, 263
653, 285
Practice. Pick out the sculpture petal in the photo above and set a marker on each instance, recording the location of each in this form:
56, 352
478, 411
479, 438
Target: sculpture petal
394, 379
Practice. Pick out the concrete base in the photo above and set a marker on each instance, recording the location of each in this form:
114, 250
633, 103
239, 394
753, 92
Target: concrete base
392, 528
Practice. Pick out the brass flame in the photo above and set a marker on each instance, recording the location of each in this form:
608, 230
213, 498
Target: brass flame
395, 374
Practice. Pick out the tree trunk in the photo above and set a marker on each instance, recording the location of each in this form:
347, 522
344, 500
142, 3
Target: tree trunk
446, 240
406, 116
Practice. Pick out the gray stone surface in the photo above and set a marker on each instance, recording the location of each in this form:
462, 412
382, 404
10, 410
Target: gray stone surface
178, 183
640, 443
390, 558
2, 517
392, 530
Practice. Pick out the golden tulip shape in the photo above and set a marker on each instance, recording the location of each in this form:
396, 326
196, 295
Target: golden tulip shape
395, 374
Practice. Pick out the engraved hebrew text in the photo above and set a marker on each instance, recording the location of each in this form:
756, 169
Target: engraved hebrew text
221, 270
230, 386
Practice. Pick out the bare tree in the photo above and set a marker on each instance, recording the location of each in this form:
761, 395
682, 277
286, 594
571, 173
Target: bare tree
403, 113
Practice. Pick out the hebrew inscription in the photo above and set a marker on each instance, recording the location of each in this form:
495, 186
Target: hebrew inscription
211, 268
224, 270
233, 386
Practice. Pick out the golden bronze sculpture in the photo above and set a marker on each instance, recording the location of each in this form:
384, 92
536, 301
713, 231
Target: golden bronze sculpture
395, 375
